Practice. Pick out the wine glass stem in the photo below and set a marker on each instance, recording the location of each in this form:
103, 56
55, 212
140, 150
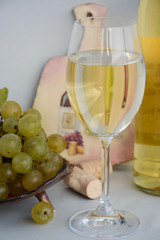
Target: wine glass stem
105, 207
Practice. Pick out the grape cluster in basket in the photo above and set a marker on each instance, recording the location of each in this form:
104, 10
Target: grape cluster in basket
27, 156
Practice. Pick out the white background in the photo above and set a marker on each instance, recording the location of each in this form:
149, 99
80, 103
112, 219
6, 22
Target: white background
32, 31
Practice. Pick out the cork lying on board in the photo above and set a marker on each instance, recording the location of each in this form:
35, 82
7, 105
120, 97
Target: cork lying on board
83, 183
85, 178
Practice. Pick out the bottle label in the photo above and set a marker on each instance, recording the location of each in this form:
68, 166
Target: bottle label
68, 121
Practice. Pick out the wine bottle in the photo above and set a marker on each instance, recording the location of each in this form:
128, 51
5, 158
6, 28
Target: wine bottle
68, 122
146, 168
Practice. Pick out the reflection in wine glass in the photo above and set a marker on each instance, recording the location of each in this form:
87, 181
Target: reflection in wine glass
105, 84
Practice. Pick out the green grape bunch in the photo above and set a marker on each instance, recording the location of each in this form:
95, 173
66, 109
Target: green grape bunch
28, 157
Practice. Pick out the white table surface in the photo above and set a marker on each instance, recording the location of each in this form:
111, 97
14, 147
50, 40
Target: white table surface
16, 222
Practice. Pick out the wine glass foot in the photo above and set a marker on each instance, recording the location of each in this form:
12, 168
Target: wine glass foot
87, 224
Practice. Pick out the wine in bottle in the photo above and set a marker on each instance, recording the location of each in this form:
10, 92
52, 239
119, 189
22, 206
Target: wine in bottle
147, 121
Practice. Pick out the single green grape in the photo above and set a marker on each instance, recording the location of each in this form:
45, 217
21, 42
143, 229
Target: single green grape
36, 147
7, 173
54, 157
50, 154
16, 187
10, 125
56, 143
58, 160
10, 145
49, 169
32, 111
32, 180
42, 212
29, 125
10, 109
4, 191
22, 163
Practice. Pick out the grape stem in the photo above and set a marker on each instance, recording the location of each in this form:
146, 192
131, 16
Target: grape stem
43, 197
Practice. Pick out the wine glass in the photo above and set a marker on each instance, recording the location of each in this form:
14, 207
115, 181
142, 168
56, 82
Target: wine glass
105, 84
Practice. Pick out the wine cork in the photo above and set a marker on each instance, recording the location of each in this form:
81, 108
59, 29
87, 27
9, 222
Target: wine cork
84, 183
80, 149
72, 148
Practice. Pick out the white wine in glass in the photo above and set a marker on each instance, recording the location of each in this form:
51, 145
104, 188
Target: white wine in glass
105, 84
